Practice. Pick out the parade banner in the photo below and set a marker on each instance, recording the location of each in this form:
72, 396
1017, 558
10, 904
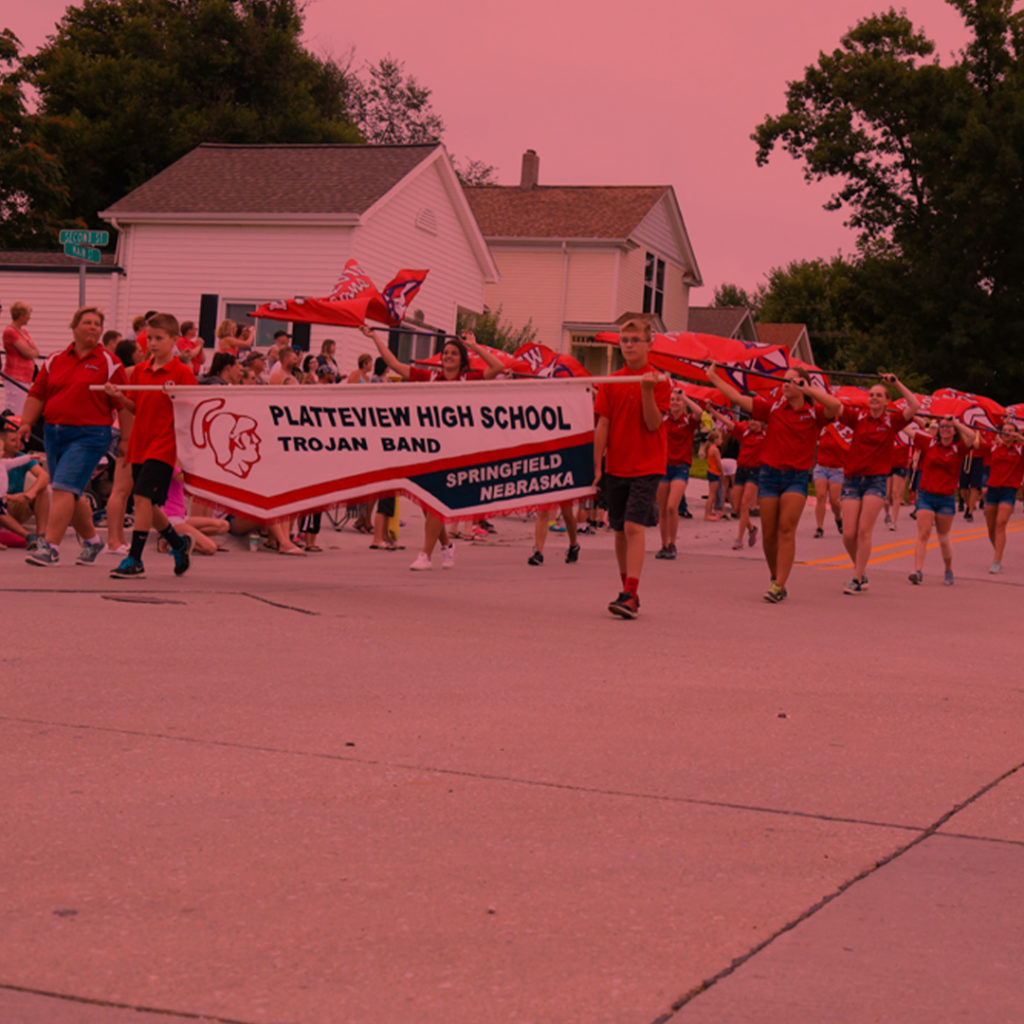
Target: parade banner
459, 449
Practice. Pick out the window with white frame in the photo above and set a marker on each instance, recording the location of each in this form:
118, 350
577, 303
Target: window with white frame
654, 284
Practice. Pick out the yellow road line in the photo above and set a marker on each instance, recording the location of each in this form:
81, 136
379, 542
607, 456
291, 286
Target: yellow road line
903, 548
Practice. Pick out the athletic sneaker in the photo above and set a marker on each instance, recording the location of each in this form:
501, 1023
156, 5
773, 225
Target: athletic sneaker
625, 605
556, 528
573, 554
948, 578
121, 550
421, 562
752, 536
737, 545
90, 549
892, 526
129, 569
818, 533
670, 552
916, 577
181, 557
774, 594
535, 559
479, 533
969, 517
44, 554
448, 556
996, 567
662, 552
853, 587
863, 583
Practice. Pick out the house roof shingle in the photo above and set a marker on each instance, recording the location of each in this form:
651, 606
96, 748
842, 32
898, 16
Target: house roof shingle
274, 179
561, 211
723, 321
786, 335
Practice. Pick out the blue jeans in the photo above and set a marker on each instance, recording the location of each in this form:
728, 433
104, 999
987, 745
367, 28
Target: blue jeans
72, 454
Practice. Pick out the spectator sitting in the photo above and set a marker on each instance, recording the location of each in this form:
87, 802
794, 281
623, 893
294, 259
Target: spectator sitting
28, 492
224, 369
284, 372
256, 365
361, 375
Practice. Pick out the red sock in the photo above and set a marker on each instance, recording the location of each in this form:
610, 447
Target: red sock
630, 584
622, 577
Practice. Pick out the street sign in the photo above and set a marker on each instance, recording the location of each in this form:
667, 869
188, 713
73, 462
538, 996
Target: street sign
84, 238
81, 252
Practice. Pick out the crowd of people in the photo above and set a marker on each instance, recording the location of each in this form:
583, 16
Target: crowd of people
761, 456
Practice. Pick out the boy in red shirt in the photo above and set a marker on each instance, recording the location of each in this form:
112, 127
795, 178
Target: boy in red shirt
631, 432
152, 453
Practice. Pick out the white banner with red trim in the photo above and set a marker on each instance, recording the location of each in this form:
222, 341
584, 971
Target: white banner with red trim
459, 450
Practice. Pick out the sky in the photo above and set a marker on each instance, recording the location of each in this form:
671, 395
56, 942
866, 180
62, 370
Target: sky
654, 92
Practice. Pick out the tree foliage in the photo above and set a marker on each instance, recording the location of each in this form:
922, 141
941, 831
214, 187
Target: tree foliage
730, 295
928, 161
490, 329
391, 107
32, 184
128, 86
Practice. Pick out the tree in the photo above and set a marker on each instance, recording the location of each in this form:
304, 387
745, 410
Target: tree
128, 86
475, 172
32, 189
732, 295
929, 165
491, 330
390, 107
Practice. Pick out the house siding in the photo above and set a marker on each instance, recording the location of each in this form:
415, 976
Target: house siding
676, 305
531, 288
53, 296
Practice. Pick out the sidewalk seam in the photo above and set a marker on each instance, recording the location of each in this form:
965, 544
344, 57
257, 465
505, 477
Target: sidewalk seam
739, 961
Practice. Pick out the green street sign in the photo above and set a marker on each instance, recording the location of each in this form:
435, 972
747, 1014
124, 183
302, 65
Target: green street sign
84, 238
81, 252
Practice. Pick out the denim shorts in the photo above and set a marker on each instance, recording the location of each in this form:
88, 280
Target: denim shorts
903, 471
940, 504
857, 487
678, 472
773, 483
72, 454
713, 478
746, 475
1001, 496
833, 474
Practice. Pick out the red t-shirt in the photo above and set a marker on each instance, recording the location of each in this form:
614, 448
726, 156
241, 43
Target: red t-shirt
419, 373
751, 443
940, 463
633, 450
680, 438
1005, 462
62, 385
833, 446
15, 364
871, 452
153, 430
791, 435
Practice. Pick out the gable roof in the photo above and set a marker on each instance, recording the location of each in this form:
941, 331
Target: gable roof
725, 321
787, 335
226, 179
562, 211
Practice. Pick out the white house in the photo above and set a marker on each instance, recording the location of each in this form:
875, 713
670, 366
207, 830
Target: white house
229, 227
575, 258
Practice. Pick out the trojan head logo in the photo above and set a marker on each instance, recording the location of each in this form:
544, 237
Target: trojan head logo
232, 438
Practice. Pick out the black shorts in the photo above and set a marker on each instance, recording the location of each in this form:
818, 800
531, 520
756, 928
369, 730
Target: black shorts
386, 506
746, 475
632, 499
152, 479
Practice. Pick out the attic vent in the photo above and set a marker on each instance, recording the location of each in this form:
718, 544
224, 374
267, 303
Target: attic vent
426, 220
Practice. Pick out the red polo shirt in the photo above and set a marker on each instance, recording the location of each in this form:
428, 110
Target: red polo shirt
874, 438
791, 435
680, 438
153, 429
1005, 462
940, 463
63, 383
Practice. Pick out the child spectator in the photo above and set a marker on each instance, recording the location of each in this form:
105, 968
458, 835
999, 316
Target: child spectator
152, 453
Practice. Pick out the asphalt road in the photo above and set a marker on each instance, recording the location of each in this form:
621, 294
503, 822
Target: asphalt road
327, 790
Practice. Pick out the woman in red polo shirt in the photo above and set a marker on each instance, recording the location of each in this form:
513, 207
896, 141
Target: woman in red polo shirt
1004, 456
942, 455
794, 417
866, 470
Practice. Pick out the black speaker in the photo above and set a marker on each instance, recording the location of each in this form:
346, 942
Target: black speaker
208, 319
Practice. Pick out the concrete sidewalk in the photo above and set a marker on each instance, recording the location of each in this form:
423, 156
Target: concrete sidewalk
327, 790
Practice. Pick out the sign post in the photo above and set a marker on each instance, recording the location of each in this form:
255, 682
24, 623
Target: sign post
80, 245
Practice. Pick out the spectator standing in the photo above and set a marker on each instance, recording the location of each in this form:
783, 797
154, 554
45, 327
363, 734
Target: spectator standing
20, 354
